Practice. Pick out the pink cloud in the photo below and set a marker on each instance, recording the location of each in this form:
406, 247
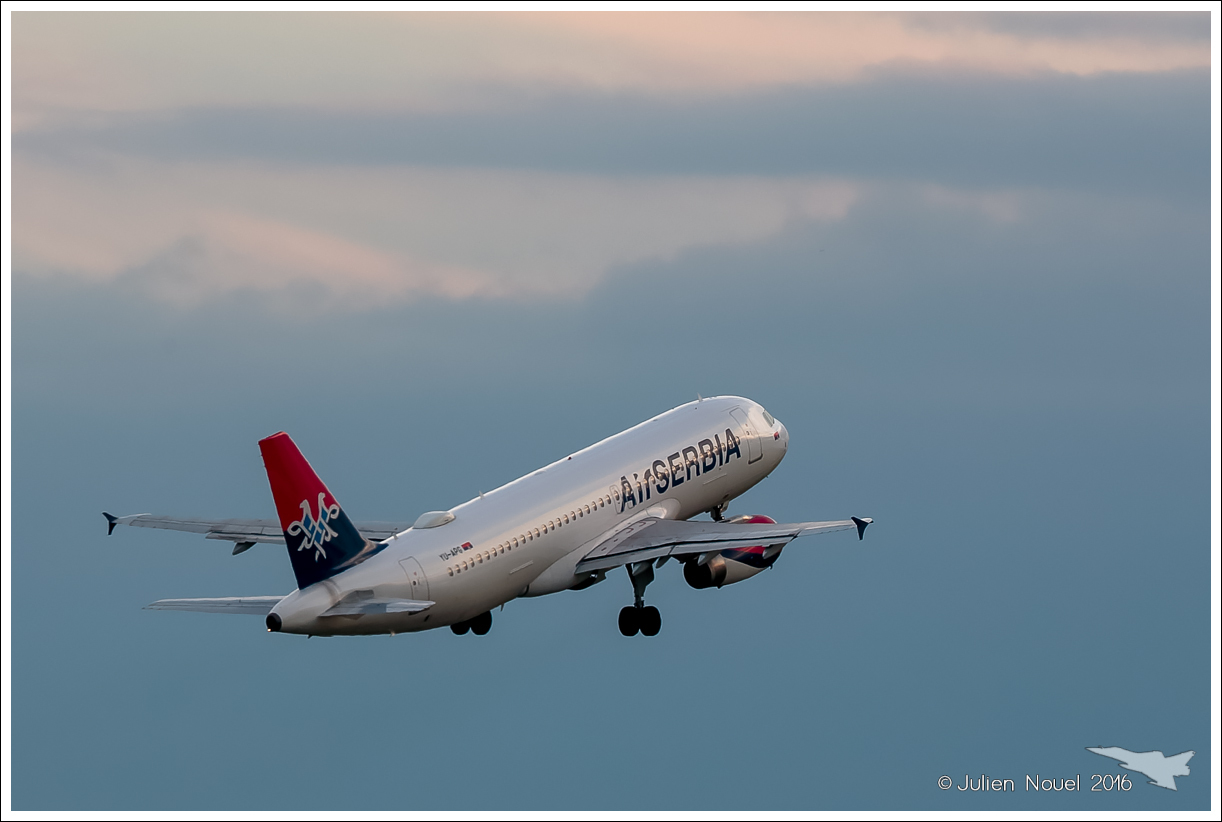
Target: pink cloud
66, 62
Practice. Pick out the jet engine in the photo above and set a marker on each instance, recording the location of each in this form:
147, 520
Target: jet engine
719, 568
708, 574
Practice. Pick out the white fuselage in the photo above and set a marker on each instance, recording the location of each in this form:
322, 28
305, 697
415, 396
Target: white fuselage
526, 537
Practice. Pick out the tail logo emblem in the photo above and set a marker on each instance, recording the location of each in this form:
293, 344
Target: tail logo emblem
315, 531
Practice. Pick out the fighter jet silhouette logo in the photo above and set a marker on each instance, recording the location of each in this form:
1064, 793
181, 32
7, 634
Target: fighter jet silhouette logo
1162, 770
315, 532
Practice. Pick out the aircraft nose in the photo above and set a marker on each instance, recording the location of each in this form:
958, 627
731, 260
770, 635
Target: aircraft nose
783, 435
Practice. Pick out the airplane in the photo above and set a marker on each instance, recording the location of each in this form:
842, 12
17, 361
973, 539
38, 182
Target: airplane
626, 501
1161, 769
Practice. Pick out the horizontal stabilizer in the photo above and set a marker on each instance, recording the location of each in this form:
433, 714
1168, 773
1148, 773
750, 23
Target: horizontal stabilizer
377, 606
259, 606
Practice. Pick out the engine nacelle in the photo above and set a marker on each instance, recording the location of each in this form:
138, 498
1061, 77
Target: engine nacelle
734, 564
710, 574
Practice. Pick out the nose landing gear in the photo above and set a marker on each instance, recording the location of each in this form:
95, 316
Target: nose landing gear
639, 617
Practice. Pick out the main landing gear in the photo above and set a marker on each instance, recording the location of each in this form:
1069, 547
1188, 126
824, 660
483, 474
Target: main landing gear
643, 618
479, 625
639, 617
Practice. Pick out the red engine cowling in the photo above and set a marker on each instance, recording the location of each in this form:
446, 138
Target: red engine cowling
734, 564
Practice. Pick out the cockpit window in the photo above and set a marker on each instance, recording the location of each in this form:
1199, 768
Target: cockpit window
768, 418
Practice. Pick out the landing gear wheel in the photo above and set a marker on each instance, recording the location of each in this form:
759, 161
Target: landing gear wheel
629, 624
482, 624
460, 628
650, 620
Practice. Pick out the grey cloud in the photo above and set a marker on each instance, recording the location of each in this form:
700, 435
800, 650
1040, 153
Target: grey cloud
1146, 26
1123, 132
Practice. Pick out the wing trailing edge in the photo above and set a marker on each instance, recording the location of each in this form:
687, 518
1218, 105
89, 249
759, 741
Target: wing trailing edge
652, 538
243, 532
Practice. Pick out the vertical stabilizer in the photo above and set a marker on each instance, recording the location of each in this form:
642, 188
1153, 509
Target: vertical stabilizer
322, 541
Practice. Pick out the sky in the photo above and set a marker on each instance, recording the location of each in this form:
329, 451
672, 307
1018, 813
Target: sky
964, 257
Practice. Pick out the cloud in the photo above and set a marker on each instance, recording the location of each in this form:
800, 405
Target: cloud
304, 269
1114, 133
66, 62
1134, 26
355, 160
358, 236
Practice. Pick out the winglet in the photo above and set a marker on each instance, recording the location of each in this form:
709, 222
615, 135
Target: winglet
861, 523
111, 522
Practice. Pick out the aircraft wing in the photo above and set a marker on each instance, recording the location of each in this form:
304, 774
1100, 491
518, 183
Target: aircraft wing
260, 606
651, 538
243, 532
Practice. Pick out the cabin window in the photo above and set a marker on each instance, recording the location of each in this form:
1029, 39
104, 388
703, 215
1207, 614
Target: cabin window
451, 570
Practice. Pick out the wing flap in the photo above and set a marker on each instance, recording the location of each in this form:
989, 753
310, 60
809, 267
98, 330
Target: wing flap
260, 606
